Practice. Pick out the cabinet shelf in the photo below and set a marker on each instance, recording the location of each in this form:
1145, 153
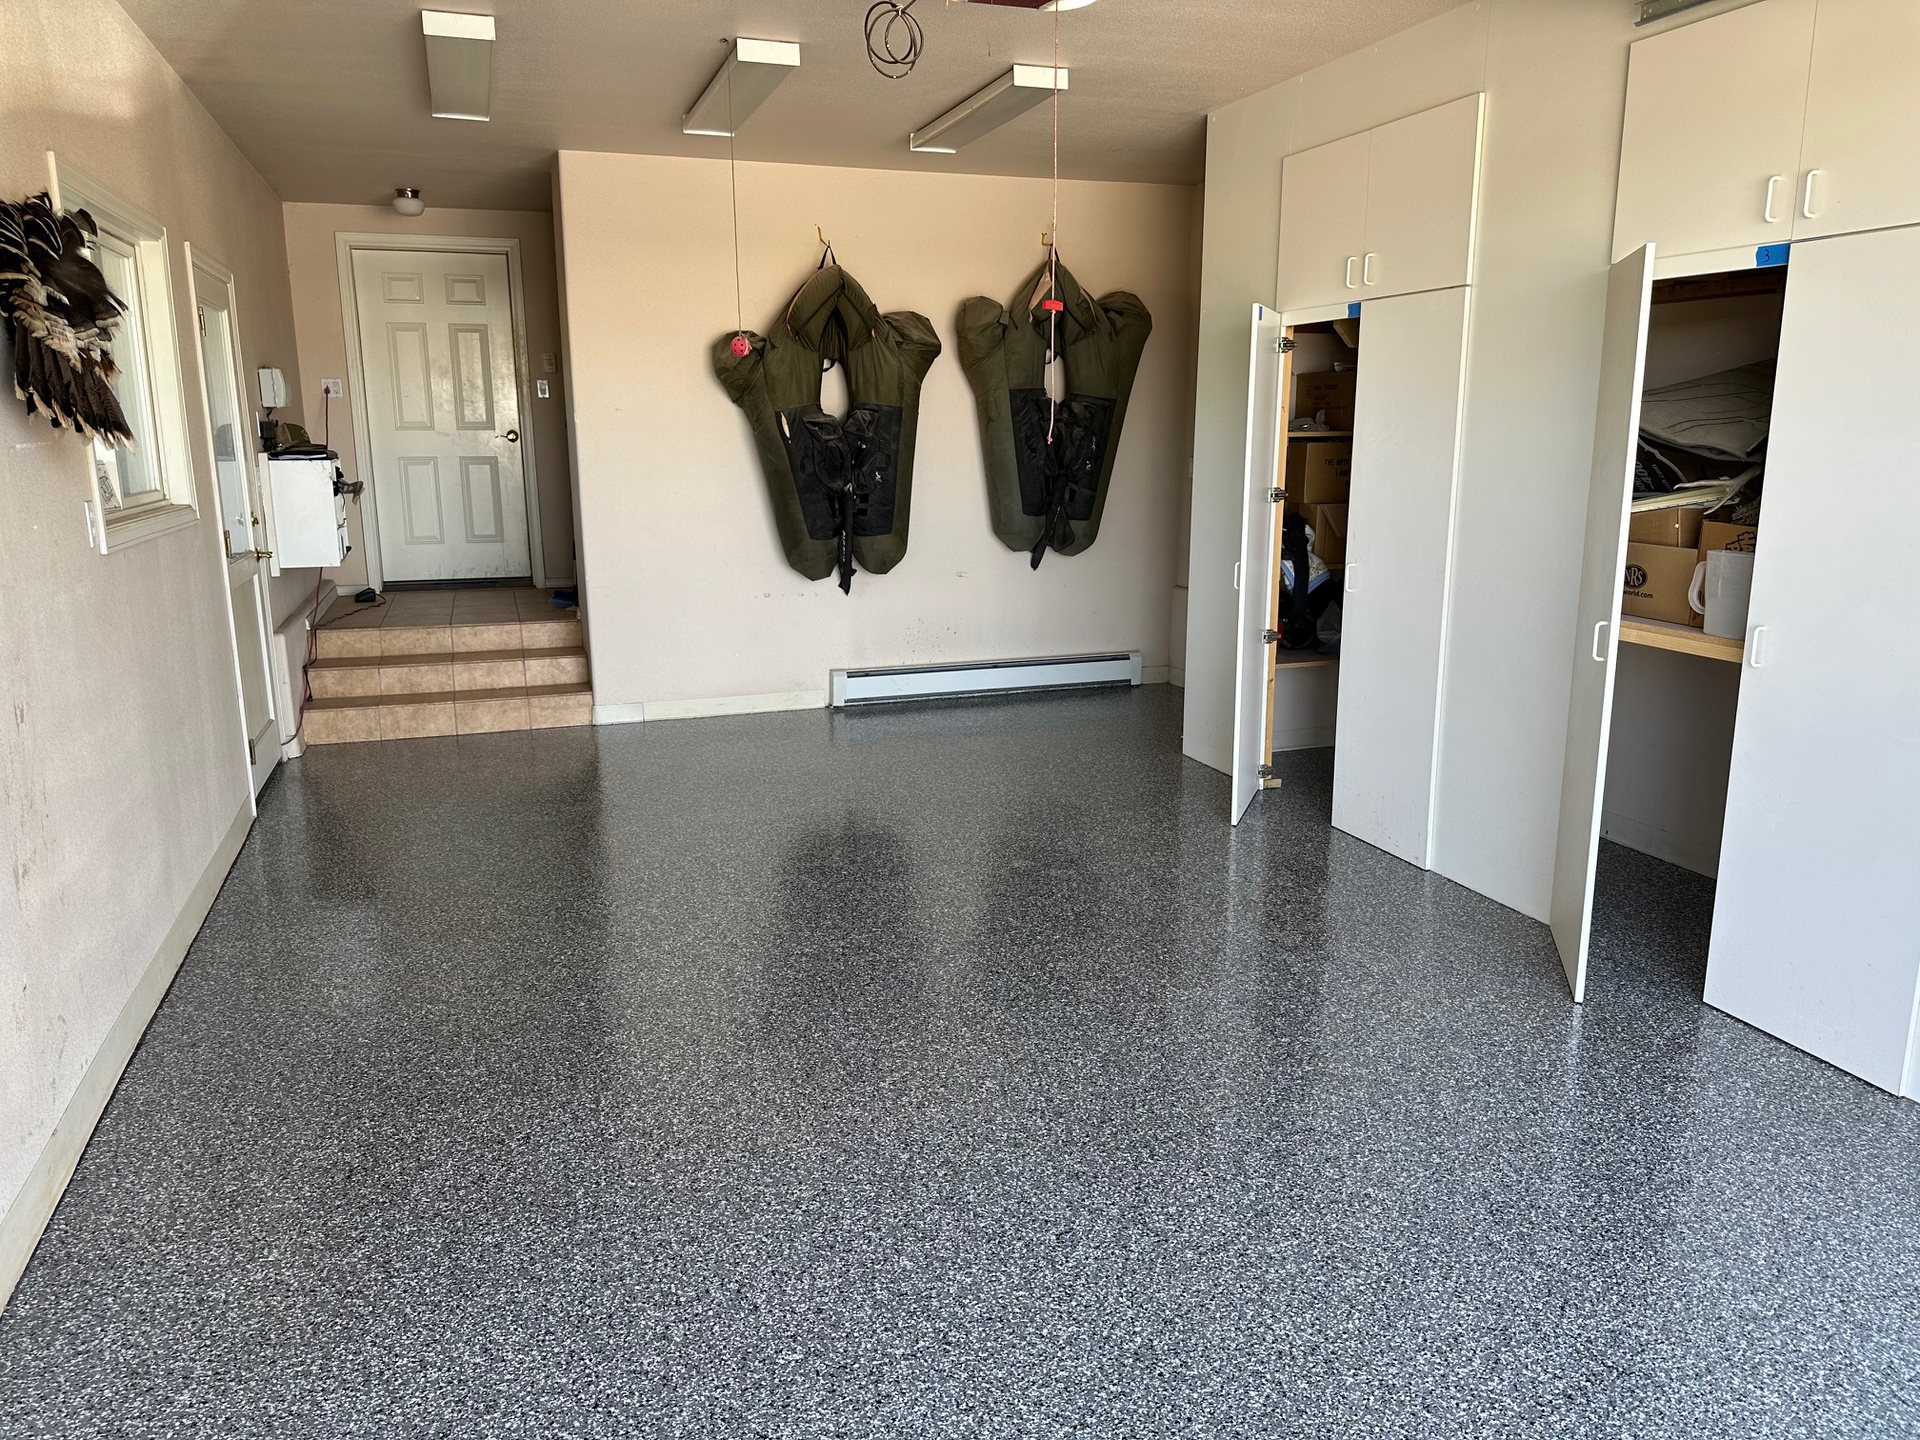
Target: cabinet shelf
1664, 635
1319, 435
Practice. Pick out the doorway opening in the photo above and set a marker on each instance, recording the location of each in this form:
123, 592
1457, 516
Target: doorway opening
443, 420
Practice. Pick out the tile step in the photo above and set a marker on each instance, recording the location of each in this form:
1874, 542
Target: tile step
459, 657
446, 697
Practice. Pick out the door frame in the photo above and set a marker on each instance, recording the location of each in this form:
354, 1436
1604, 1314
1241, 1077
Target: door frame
345, 244
198, 260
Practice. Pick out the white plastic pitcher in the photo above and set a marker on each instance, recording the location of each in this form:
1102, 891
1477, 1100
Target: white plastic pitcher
1721, 589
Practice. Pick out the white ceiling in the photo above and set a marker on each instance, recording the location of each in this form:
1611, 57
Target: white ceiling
329, 97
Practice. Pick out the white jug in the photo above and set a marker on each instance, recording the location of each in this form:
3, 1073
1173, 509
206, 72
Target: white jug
1722, 587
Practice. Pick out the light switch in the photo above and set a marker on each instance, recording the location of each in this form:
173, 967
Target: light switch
543, 390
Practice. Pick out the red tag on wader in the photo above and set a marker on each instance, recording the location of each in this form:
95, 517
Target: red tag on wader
1053, 305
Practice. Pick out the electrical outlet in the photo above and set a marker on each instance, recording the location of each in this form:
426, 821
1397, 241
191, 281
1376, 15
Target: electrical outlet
545, 390
333, 388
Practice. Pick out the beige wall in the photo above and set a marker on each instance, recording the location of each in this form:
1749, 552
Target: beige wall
121, 755
689, 596
314, 265
1555, 75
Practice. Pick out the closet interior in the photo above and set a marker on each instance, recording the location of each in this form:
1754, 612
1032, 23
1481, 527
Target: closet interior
1699, 482
1310, 537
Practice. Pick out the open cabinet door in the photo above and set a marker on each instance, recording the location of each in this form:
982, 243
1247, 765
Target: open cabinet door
1596, 636
1253, 576
1816, 922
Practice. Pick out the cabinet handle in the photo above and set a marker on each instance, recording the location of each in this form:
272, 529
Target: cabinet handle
1347, 581
1598, 631
1352, 260
1773, 184
1366, 270
1236, 574
1757, 647
1806, 196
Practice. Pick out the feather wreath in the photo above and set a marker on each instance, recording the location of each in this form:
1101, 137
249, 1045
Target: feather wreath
63, 316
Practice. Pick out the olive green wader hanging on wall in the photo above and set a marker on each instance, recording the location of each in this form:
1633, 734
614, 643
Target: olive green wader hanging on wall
1049, 493
842, 490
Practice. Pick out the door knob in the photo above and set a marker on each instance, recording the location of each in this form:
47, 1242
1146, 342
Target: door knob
512, 435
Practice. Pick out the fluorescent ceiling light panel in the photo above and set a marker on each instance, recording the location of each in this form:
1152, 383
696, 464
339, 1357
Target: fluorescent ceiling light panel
1014, 93
459, 64
753, 69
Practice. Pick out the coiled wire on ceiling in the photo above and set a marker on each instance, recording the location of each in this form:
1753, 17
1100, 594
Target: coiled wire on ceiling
894, 38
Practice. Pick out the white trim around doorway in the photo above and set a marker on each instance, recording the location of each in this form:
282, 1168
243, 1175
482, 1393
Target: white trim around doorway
345, 243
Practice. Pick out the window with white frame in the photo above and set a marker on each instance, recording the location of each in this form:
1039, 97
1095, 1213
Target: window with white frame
148, 489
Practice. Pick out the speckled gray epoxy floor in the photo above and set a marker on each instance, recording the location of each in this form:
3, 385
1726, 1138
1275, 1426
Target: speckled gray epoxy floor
945, 1073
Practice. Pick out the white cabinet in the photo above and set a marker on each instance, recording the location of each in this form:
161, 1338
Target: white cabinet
1816, 920
1399, 549
1323, 223
308, 516
1860, 160
1423, 175
1816, 924
1389, 211
1710, 156
1783, 120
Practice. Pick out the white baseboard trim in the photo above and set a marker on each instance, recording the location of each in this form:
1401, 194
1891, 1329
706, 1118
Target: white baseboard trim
1155, 674
703, 709
737, 705
1177, 676
1679, 850
1312, 737
619, 714
46, 1182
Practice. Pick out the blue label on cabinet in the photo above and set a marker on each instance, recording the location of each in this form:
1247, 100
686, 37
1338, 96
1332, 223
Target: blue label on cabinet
1353, 307
1769, 255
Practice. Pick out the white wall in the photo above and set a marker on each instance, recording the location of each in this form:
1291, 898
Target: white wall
123, 784
1555, 75
688, 595
313, 260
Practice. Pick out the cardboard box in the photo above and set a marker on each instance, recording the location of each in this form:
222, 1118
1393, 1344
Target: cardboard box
1329, 524
1717, 535
1328, 390
1319, 472
1667, 527
1654, 586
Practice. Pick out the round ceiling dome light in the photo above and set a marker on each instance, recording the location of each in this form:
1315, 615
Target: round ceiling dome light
408, 202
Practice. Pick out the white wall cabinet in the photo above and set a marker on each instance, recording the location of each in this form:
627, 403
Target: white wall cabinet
1860, 160
1323, 223
1816, 925
1390, 211
1710, 154
1783, 120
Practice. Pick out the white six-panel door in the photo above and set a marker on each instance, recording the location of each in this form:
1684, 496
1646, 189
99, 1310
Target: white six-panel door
1399, 546
1253, 575
1816, 928
443, 414
1596, 629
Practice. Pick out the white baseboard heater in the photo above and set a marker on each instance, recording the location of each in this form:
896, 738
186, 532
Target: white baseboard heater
986, 677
